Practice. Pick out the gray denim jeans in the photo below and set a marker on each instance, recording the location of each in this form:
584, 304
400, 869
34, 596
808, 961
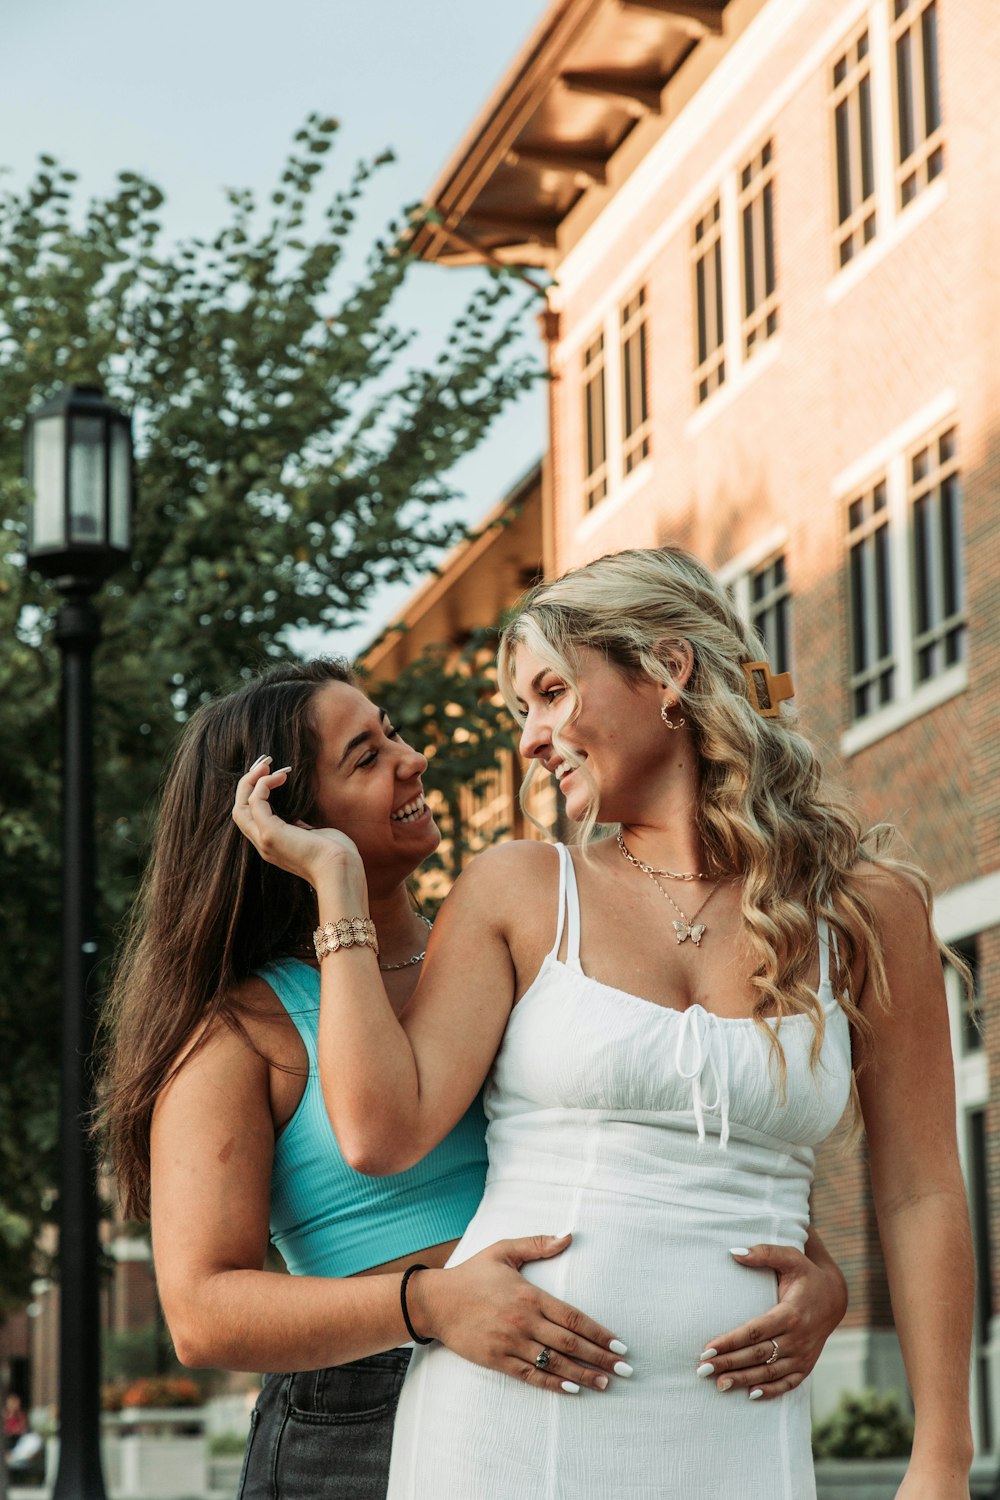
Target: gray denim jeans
324, 1434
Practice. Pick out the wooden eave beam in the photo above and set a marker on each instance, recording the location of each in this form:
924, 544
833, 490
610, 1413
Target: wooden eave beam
523, 231
701, 16
631, 92
562, 159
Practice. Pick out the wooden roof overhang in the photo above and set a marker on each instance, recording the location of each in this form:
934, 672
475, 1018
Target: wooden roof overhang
591, 71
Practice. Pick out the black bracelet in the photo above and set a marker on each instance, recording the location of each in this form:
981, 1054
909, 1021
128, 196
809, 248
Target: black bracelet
414, 1335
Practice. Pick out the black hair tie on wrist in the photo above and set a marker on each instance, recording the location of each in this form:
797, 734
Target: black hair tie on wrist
414, 1335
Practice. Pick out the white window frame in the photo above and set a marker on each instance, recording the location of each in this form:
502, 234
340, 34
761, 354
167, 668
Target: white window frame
968, 912
620, 485
736, 574
893, 220
889, 461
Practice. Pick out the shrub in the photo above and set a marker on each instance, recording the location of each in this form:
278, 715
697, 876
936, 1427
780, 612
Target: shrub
162, 1390
227, 1444
866, 1424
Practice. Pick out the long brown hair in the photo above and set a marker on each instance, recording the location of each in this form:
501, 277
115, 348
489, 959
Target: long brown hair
209, 911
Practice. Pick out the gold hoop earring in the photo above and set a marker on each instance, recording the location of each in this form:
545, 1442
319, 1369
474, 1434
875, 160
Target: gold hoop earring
668, 721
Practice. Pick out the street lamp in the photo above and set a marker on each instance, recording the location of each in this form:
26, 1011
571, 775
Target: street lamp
78, 458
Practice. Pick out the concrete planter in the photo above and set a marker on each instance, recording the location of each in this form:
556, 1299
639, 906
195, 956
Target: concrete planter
161, 1451
148, 1451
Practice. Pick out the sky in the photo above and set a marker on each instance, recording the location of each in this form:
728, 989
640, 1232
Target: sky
203, 95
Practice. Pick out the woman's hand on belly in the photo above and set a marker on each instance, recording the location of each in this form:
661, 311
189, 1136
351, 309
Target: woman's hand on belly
812, 1300
484, 1310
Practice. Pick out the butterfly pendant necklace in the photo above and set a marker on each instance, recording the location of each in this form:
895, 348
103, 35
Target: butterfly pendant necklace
687, 927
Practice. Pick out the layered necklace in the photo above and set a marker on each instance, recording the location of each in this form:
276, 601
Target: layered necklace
415, 958
686, 927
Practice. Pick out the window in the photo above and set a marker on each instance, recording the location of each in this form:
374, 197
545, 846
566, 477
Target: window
756, 209
873, 665
635, 396
851, 103
757, 582
710, 364
972, 1093
919, 132
770, 610
935, 506
595, 450
971, 1028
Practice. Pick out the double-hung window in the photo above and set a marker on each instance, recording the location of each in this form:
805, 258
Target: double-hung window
935, 504
706, 256
851, 105
595, 446
907, 628
873, 660
758, 584
635, 390
760, 278
919, 130
769, 611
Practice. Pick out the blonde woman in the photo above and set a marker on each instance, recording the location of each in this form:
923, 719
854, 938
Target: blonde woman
670, 1021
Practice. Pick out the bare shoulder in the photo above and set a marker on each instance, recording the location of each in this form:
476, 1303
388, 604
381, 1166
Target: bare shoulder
897, 899
517, 868
233, 1044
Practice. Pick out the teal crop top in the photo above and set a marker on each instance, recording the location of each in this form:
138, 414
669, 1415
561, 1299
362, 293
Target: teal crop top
327, 1219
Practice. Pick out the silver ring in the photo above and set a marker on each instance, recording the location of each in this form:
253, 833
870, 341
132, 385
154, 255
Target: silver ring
774, 1346
543, 1358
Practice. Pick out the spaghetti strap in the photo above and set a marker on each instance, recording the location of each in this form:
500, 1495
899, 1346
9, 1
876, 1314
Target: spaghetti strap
572, 912
827, 945
563, 853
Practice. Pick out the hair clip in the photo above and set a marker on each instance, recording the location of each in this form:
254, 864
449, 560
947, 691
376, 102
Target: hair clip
767, 692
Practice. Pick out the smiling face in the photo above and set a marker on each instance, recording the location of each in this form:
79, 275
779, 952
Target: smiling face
617, 734
368, 783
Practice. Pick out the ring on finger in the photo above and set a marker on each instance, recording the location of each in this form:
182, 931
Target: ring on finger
774, 1352
543, 1358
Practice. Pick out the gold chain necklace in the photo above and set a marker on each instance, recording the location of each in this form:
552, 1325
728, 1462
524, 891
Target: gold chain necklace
415, 958
687, 927
649, 869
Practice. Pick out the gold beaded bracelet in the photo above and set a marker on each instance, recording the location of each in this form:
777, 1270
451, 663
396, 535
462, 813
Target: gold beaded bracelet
349, 932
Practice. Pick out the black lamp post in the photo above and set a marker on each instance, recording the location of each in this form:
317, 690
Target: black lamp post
79, 464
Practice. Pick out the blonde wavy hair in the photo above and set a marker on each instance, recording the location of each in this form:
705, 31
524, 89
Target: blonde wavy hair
764, 812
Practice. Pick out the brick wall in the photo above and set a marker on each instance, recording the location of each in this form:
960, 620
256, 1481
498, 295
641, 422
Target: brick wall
857, 357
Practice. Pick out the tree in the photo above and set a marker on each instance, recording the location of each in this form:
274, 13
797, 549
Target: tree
288, 460
447, 705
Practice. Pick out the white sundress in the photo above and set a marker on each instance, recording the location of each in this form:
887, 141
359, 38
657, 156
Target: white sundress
660, 1138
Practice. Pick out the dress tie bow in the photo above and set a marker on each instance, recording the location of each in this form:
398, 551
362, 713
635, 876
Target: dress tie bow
701, 1051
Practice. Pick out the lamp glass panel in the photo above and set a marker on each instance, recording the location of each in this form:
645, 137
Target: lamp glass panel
121, 487
86, 480
48, 479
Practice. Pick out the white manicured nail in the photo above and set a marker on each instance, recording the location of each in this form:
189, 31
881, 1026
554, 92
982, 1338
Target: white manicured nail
571, 1386
704, 1370
258, 761
740, 1250
617, 1347
708, 1354
755, 1394
621, 1368
280, 770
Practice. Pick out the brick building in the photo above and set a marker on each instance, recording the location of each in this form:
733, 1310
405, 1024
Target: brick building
772, 333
